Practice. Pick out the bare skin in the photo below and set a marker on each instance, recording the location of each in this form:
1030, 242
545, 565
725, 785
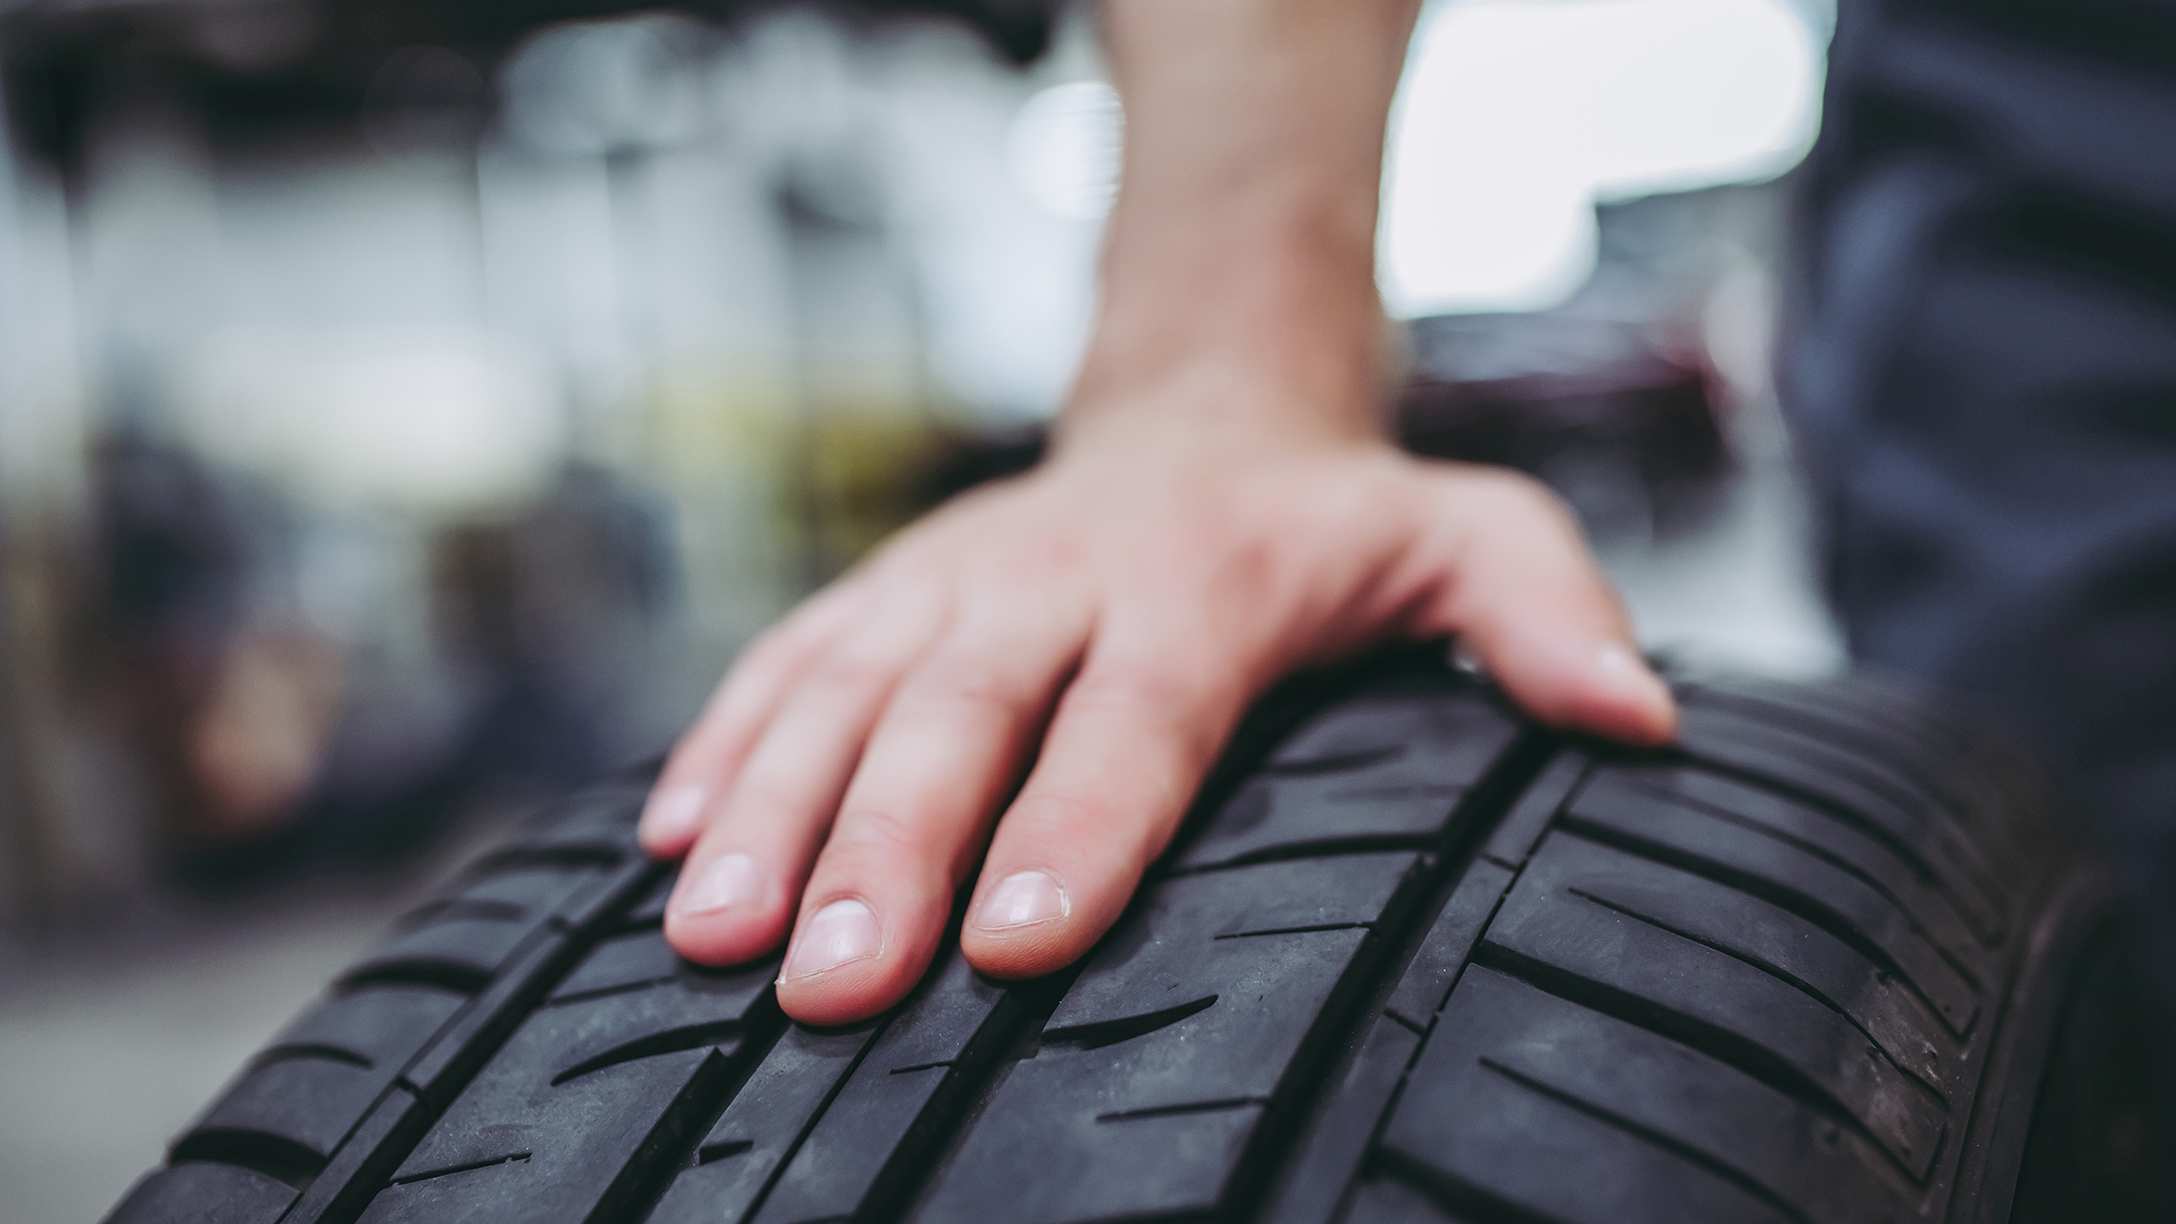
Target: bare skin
1222, 507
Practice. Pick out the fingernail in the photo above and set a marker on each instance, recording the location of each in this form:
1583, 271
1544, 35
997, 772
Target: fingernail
1629, 677
673, 812
1023, 898
840, 933
726, 881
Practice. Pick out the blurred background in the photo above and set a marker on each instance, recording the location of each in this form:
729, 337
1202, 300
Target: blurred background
407, 409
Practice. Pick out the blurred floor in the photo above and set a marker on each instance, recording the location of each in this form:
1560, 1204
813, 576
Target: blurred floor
107, 1048
110, 1042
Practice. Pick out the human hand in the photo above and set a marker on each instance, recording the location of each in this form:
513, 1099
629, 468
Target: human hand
1101, 623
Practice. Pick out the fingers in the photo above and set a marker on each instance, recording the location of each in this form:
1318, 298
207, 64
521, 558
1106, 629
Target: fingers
1529, 601
946, 753
1132, 739
701, 767
736, 889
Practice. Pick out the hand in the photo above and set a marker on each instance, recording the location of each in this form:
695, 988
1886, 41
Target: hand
1107, 617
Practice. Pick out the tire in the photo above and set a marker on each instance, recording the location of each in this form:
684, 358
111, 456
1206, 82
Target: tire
1411, 959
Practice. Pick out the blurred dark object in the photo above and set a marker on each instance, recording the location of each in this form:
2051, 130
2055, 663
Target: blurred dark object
1607, 412
267, 65
266, 736
1624, 419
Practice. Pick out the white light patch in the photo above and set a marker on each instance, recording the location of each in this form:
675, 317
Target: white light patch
1064, 147
1516, 117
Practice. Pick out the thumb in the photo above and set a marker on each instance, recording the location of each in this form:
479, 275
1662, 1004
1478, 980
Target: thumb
1526, 598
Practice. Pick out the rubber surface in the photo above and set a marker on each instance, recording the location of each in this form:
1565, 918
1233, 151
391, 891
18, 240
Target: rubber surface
1412, 959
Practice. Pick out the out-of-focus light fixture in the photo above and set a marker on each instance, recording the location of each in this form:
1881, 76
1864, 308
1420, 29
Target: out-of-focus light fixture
1063, 149
587, 88
1516, 117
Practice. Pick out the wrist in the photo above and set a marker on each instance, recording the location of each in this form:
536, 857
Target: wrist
1269, 332
1214, 404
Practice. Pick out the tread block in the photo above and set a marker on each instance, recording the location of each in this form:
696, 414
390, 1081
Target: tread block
1955, 915
1770, 938
1142, 1097
306, 1099
1389, 765
534, 889
1335, 1142
325, 1071
1863, 898
1661, 1126
649, 908
1392, 1200
1954, 775
460, 952
566, 1104
1426, 981
196, 1193
382, 1024
866, 1131
1977, 824
1904, 717
643, 957
595, 824
1338, 1139
1537, 806
1771, 1019
743, 1153
1938, 844
365, 1156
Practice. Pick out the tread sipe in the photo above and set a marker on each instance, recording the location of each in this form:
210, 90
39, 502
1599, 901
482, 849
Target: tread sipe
1412, 959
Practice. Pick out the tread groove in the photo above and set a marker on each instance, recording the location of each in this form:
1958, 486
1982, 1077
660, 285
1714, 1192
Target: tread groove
517, 856
1183, 1108
1648, 1134
1111, 1032
809, 1124
671, 1041
1359, 758
1587, 827
451, 909
1455, 1197
1314, 929
1913, 857
275, 1156
1317, 848
1789, 900
606, 992
711, 1153
1457, 845
466, 1166
1734, 1049
1778, 972
299, 1051
433, 972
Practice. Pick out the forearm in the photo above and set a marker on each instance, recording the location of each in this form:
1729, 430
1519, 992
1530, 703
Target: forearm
1240, 254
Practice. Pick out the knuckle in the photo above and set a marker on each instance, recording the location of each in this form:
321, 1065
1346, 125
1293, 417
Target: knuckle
890, 843
972, 684
1175, 703
781, 799
1525, 497
1130, 684
1248, 566
883, 831
1049, 811
1055, 815
845, 674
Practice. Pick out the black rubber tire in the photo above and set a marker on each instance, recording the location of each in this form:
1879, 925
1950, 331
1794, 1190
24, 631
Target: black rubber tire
1411, 959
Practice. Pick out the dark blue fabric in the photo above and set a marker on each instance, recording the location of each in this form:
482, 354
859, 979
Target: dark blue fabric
1982, 373
1983, 377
